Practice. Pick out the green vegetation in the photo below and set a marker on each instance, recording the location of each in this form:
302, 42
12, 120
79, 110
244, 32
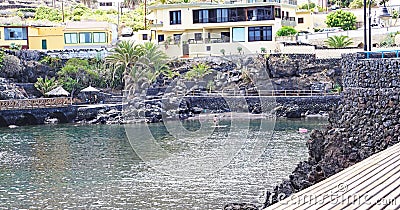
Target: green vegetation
239, 49
134, 18
46, 84
338, 41
263, 50
286, 31
222, 51
389, 40
136, 64
307, 6
198, 71
343, 19
395, 15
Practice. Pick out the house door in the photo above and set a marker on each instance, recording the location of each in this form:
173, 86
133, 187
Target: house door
185, 49
44, 44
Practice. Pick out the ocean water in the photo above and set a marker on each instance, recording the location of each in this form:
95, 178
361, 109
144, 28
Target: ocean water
103, 166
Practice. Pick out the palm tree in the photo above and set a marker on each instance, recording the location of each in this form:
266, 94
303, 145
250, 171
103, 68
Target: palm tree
45, 85
338, 41
198, 71
169, 74
149, 64
123, 59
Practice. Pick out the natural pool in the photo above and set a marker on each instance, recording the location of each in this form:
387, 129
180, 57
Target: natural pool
81, 166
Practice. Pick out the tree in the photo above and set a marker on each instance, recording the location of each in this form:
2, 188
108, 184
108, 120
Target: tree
343, 19
47, 13
338, 41
76, 74
286, 31
45, 85
122, 59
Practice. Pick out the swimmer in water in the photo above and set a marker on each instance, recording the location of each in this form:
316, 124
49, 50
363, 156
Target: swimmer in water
215, 120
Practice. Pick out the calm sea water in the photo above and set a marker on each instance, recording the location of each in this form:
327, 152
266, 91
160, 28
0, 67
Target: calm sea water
70, 167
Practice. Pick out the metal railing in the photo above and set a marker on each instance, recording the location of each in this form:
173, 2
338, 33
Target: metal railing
34, 103
272, 93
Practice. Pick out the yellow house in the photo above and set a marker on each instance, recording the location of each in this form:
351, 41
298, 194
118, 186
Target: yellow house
88, 35
46, 38
305, 20
17, 35
72, 35
209, 28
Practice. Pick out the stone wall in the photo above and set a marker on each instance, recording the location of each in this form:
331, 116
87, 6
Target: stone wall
367, 121
291, 107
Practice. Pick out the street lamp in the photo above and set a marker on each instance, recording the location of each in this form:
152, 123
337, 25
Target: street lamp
384, 15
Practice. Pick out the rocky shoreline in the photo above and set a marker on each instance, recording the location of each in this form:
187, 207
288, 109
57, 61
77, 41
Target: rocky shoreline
365, 122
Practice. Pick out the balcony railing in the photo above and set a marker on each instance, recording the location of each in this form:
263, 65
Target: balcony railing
288, 21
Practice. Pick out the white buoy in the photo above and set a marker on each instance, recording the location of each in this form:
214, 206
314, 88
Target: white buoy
303, 130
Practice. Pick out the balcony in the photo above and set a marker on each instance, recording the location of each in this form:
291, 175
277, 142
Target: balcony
288, 21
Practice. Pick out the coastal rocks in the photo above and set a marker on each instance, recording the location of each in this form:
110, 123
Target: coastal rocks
10, 91
99, 115
365, 122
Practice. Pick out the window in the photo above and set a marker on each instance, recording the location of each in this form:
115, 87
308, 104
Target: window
222, 15
177, 38
225, 36
99, 37
233, 15
198, 37
175, 17
15, 33
263, 33
300, 20
85, 37
106, 4
238, 34
277, 12
161, 38
71, 38
203, 16
208, 48
144, 36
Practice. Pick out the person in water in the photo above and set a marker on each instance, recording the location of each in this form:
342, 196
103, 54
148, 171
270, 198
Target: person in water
215, 120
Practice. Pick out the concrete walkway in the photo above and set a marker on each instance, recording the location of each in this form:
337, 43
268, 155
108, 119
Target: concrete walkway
374, 183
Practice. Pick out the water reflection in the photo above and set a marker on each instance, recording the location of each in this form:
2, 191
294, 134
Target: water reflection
70, 166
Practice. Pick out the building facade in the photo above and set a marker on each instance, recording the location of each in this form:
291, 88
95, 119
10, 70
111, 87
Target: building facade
210, 28
73, 35
109, 4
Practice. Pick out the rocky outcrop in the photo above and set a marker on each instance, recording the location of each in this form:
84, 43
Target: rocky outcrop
366, 122
22, 70
303, 72
9, 90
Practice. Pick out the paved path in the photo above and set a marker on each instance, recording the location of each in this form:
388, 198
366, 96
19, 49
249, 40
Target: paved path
374, 183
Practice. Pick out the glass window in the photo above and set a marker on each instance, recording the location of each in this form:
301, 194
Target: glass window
161, 38
99, 37
263, 33
203, 16
85, 37
300, 20
277, 12
238, 34
222, 15
198, 36
177, 38
144, 36
15, 33
175, 17
71, 38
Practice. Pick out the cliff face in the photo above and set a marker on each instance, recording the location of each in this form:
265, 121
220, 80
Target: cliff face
366, 122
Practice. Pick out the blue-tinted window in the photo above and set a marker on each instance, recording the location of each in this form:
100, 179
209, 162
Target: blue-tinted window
15, 33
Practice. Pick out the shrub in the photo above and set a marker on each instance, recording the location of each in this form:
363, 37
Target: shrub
286, 31
45, 85
345, 20
338, 41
